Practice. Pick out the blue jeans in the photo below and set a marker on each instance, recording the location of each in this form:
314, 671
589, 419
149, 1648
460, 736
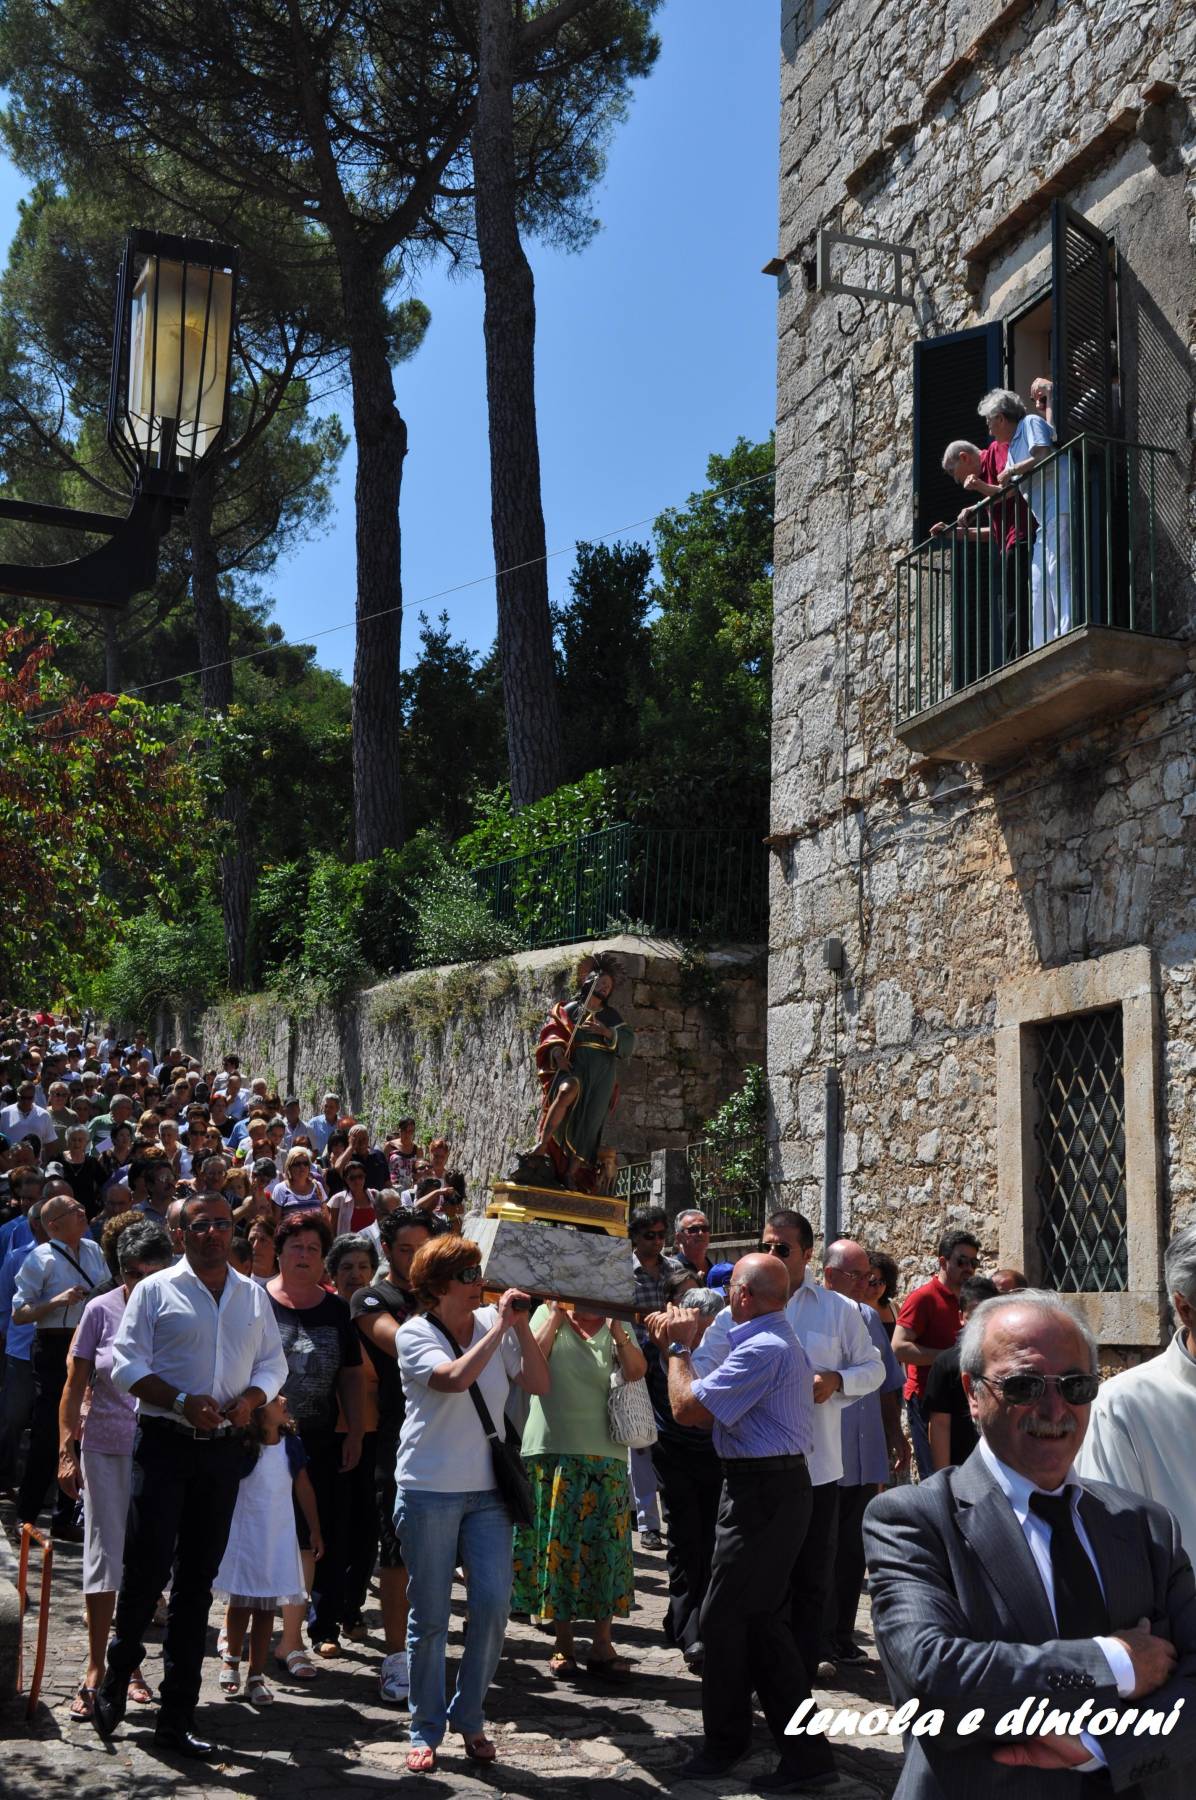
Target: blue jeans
437, 1532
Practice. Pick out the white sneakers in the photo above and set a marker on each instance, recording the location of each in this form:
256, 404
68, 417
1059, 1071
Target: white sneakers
394, 1681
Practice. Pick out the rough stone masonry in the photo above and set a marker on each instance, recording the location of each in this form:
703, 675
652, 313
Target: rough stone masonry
950, 128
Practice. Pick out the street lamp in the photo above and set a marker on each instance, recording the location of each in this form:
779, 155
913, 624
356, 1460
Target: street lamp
167, 411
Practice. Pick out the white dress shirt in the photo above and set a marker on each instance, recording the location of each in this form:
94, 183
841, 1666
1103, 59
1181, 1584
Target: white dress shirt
37, 1123
1037, 1533
175, 1328
833, 1335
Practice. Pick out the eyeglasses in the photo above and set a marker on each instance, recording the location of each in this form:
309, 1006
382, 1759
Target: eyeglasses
201, 1227
470, 1275
1020, 1390
782, 1250
695, 1231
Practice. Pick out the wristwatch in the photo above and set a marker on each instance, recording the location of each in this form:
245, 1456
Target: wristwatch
178, 1403
677, 1350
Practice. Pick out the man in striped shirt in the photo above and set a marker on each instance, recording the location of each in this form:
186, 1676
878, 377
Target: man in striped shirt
759, 1401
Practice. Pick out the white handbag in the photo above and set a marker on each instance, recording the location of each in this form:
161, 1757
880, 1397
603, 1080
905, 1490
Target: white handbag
629, 1415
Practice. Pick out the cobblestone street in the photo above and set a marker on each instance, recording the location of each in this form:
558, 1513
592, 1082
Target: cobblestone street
335, 1736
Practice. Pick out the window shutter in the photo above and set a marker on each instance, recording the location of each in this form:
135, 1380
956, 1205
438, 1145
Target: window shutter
1081, 345
951, 376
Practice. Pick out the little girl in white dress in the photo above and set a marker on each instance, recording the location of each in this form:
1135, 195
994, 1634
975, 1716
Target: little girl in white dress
260, 1570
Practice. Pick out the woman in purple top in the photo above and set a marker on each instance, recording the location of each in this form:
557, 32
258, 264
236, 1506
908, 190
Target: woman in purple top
102, 1468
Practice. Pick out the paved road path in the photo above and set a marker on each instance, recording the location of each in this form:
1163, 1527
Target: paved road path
335, 1737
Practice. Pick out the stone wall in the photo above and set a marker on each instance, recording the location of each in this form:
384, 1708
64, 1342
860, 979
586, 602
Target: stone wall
932, 125
454, 1047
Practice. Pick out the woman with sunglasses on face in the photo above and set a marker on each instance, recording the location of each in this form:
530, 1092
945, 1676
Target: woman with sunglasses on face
449, 1510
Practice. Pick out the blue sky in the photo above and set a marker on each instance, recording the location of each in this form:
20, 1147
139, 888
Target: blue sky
656, 344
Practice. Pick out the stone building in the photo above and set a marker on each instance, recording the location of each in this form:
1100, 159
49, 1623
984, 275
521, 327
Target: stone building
983, 907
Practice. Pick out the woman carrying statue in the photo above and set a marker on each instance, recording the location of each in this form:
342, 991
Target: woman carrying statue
578, 1058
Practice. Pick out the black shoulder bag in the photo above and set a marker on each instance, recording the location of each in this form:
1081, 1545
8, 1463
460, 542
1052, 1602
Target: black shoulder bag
510, 1477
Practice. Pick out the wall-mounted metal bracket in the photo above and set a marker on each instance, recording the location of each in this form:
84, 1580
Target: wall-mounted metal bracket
900, 292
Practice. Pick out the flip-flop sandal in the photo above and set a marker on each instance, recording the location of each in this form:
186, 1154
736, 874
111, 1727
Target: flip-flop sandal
140, 1693
564, 1668
298, 1665
83, 1706
421, 1760
480, 1748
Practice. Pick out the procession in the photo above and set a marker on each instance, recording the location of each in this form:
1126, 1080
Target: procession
597, 899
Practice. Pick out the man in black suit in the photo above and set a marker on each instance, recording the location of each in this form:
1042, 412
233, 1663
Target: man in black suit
1010, 1579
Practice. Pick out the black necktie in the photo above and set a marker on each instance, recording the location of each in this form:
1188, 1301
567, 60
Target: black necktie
1079, 1604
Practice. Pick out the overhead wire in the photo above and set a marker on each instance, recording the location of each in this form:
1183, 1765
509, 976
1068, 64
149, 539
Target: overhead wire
409, 605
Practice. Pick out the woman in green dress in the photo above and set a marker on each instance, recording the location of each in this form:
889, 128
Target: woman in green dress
575, 1562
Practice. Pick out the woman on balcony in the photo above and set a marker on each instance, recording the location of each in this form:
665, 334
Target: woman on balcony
1048, 495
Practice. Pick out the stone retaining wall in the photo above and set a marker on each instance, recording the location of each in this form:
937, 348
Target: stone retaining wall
454, 1046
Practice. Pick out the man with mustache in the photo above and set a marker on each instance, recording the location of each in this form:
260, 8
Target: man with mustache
1010, 1579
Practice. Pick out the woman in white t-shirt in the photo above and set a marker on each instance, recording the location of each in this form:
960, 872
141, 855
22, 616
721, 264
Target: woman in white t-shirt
449, 1512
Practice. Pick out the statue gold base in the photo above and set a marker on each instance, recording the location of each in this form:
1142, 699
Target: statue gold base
557, 1206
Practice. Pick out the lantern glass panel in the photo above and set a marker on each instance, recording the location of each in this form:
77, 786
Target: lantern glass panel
180, 329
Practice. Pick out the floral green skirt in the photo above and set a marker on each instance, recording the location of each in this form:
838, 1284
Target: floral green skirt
575, 1562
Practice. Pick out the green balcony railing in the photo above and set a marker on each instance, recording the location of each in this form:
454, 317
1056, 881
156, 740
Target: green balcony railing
709, 885
730, 1184
1082, 543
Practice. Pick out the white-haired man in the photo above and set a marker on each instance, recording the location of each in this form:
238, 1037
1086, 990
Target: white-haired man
1142, 1415
1009, 1581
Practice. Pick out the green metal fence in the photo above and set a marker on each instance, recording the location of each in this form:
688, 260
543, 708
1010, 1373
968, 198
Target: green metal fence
689, 884
730, 1184
1082, 543
633, 1183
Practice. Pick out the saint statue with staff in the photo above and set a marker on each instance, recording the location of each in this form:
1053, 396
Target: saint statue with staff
581, 1048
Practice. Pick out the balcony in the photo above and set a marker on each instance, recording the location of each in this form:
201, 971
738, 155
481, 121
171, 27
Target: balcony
1032, 621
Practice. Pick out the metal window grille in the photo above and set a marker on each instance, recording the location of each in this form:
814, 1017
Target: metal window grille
633, 1182
1080, 1129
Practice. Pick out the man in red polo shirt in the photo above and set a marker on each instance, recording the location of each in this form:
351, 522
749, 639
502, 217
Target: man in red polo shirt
928, 1323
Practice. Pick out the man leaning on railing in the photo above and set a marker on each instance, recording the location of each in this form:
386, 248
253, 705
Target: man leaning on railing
1004, 527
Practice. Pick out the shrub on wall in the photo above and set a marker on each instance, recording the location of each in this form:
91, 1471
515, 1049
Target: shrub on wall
162, 962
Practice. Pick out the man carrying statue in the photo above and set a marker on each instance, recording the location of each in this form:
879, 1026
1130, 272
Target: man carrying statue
578, 1057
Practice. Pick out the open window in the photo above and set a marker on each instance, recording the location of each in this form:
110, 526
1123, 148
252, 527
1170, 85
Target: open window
951, 374
1068, 330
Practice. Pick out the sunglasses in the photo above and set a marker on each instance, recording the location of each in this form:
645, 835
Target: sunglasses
1019, 1390
651, 1234
201, 1227
782, 1250
470, 1275
695, 1231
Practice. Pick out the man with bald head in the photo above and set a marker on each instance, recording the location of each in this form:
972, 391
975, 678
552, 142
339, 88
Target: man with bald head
1009, 1579
759, 1403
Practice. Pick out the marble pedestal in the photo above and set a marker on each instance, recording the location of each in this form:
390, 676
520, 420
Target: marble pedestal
554, 1262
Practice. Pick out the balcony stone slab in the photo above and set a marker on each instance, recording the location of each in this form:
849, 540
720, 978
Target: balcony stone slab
1090, 674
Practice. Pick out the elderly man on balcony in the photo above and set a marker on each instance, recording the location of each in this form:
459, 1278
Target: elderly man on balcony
1005, 527
1048, 493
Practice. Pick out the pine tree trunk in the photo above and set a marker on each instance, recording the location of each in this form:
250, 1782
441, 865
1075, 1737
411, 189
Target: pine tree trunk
517, 516
381, 438
216, 691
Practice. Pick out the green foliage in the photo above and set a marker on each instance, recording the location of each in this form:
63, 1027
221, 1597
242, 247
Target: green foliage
162, 962
733, 1172
604, 666
498, 832
453, 733
743, 1113
91, 789
453, 924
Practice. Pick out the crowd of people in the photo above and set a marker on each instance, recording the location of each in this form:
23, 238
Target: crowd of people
250, 1354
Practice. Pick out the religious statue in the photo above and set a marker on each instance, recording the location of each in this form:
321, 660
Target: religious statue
578, 1056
